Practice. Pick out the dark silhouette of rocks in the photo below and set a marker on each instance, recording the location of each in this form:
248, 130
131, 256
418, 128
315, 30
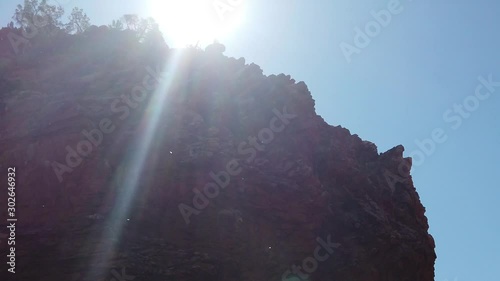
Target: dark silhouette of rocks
309, 182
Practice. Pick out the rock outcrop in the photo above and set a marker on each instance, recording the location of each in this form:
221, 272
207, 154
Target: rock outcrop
164, 164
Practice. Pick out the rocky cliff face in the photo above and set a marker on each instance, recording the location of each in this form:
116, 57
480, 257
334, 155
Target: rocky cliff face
140, 162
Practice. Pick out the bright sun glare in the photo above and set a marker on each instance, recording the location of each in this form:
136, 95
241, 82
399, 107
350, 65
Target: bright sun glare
186, 22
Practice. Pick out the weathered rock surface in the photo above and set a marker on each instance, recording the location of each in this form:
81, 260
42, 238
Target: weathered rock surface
273, 181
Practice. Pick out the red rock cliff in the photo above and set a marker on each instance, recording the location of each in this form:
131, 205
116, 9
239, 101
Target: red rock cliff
166, 164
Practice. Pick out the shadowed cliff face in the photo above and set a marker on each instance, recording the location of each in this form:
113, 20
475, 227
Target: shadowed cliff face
147, 163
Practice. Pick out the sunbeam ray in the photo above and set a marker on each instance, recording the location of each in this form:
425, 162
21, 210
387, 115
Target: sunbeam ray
135, 163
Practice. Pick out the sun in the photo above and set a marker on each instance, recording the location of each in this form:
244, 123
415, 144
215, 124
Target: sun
191, 22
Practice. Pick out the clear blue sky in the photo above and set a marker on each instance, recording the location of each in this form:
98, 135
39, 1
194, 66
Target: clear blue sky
395, 91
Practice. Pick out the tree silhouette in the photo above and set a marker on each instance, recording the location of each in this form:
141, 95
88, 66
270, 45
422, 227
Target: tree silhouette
131, 21
116, 24
39, 15
78, 21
